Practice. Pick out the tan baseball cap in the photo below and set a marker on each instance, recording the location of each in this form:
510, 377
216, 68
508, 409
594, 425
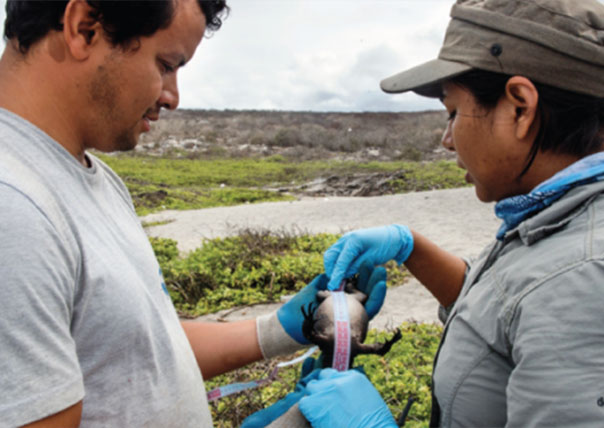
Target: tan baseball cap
555, 42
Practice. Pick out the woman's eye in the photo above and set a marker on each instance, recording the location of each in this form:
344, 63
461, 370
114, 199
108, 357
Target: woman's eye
452, 115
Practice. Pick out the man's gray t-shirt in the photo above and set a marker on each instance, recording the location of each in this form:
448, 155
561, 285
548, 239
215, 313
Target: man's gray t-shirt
84, 312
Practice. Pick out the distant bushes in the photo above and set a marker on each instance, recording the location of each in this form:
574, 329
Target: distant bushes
160, 183
410, 144
404, 136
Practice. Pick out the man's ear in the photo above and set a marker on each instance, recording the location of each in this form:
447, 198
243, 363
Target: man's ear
522, 94
80, 30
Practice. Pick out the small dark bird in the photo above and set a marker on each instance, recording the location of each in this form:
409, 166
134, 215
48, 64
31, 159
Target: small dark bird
318, 326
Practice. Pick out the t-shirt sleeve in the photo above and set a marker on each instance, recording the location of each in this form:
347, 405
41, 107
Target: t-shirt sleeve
557, 340
39, 370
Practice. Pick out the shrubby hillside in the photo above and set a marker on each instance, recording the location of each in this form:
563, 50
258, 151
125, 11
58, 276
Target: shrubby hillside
297, 135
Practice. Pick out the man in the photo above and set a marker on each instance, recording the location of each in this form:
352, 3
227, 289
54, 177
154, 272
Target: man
88, 334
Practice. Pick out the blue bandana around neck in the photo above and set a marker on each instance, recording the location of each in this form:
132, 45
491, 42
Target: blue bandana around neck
515, 209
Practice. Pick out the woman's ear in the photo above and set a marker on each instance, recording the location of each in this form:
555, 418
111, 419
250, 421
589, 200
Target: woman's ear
522, 94
80, 30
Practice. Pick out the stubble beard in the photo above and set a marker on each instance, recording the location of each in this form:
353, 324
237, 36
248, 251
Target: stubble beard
103, 95
126, 141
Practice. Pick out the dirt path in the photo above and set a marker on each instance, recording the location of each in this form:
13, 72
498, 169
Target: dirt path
454, 219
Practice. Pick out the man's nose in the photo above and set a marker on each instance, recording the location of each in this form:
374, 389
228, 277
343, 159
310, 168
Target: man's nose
169, 94
447, 138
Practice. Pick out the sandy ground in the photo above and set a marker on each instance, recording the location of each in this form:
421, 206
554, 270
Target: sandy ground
454, 219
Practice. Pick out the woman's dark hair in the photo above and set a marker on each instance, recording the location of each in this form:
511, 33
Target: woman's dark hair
124, 21
571, 123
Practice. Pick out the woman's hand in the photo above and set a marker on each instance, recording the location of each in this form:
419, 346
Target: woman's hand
376, 245
344, 399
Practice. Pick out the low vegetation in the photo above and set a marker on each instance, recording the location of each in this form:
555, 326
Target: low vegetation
158, 183
252, 267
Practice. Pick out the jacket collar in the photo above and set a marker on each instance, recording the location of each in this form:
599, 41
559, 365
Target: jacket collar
557, 215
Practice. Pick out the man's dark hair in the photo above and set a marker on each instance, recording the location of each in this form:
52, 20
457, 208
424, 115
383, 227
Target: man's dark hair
571, 123
124, 21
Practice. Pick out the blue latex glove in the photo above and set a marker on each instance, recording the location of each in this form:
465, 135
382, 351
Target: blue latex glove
266, 416
344, 399
376, 245
371, 281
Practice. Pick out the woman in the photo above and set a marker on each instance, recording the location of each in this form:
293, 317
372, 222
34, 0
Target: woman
522, 346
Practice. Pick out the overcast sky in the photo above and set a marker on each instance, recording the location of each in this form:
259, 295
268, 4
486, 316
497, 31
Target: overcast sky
318, 55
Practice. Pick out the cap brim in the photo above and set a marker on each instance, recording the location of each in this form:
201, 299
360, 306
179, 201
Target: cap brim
424, 79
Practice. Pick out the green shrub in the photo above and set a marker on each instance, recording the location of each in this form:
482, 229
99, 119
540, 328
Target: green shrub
252, 267
406, 370
435, 175
165, 249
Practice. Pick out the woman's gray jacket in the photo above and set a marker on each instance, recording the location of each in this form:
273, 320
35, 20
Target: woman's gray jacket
524, 342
